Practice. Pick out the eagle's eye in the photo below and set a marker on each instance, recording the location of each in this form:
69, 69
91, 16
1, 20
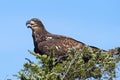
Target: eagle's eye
32, 24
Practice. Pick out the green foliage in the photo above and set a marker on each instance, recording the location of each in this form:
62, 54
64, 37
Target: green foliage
83, 64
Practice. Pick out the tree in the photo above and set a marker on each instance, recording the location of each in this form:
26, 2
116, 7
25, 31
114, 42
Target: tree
80, 65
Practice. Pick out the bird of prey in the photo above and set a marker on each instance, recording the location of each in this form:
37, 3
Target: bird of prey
44, 40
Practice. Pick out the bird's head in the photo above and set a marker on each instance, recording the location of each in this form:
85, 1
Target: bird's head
34, 23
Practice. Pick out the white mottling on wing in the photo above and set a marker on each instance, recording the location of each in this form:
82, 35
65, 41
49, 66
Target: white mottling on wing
56, 47
59, 47
48, 38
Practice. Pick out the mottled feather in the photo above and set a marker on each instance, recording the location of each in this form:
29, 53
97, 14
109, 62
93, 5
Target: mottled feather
44, 41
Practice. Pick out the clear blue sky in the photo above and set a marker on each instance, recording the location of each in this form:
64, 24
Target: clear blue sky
94, 22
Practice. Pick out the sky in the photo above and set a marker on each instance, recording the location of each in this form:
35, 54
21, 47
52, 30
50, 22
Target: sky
94, 22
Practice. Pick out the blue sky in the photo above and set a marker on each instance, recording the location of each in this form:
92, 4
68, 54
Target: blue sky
94, 22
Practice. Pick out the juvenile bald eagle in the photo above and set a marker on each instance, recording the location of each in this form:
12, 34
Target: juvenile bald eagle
44, 40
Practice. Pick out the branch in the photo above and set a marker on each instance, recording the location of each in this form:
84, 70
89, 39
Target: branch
72, 61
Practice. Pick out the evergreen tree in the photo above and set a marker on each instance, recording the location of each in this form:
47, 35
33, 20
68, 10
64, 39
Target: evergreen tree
84, 64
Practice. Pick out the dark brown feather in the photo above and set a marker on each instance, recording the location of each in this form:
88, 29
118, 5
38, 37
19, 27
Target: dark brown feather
44, 41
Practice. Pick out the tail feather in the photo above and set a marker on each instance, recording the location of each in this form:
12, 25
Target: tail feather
115, 50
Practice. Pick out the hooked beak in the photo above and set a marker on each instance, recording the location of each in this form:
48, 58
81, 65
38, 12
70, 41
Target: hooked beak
28, 24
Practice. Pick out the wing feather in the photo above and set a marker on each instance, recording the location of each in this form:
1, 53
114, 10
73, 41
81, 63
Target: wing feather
61, 44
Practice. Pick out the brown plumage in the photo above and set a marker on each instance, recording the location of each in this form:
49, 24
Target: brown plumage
44, 41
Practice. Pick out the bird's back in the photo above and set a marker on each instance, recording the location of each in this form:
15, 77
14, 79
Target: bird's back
59, 43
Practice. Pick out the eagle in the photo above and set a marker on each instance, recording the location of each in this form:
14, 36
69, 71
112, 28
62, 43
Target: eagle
44, 40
